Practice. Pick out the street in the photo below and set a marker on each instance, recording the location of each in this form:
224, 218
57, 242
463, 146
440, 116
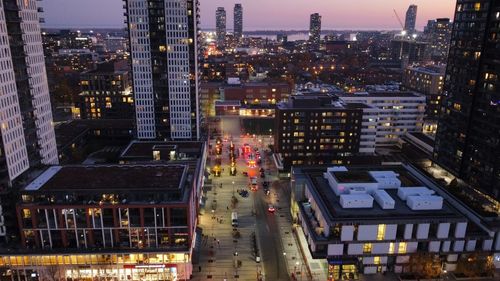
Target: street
224, 255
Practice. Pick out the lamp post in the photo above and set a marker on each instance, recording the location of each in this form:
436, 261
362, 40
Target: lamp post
233, 187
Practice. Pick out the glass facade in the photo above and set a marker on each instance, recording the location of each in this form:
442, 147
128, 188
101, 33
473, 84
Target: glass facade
467, 140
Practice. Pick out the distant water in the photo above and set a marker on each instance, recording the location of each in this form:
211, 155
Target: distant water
291, 37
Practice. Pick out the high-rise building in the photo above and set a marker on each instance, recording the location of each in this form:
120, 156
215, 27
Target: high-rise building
411, 19
315, 30
438, 33
238, 21
26, 130
27, 133
408, 51
220, 26
282, 37
106, 92
164, 51
428, 81
468, 139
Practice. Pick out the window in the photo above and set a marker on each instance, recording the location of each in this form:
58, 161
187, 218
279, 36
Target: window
381, 231
391, 248
367, 248
477, 6
402, 248
376, 260
156, 155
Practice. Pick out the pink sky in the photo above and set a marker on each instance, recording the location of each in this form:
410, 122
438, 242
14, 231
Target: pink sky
260, 14
336, 14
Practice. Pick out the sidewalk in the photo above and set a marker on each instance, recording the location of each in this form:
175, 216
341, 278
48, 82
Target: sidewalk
217, 257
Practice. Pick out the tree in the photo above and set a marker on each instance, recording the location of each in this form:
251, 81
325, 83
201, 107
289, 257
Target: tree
474, 265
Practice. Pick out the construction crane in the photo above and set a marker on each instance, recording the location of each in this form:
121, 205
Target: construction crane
400, 22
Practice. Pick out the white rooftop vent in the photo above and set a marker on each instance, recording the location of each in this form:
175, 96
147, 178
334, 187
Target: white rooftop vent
384, 199
426, 202
404, 192
386, 179
356, 201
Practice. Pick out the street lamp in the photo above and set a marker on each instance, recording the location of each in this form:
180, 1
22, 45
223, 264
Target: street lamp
233, 187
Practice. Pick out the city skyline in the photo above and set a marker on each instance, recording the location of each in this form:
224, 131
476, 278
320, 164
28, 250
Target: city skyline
376, 16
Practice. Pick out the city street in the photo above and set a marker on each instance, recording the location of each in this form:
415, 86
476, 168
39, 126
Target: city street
226, 257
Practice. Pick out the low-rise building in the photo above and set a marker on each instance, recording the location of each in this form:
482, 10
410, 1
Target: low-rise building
398, 112
256, 92
124, 221
385, 218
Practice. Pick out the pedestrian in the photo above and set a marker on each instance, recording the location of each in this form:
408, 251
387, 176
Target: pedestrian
199, 268
227, 207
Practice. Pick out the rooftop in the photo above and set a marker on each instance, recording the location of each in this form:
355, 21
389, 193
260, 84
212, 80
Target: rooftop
331, 206
110, 177
312, 102
382, 94
144, 149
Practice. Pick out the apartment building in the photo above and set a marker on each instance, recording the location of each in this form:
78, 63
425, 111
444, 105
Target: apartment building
398, 112
370, 219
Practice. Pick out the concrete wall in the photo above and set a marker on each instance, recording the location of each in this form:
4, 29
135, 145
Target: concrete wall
423, 231
347, 233
367, 232
443, 230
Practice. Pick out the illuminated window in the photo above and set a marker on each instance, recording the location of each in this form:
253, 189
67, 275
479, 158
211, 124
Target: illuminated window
381, 231
367, 248
391, 248
376, 260
402, 248
477, 6
26, 213
156, 155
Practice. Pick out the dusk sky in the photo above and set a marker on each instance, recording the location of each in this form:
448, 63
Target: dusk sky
260, 14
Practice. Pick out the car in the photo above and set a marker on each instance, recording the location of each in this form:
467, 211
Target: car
245, 174
265, 184
261, 170
267, 192
262, 175
253, 180
271, 209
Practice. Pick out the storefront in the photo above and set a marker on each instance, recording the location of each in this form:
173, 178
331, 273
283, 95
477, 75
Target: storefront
133, 267
342, 269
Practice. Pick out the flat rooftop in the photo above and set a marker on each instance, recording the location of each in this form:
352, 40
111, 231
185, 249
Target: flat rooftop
144, 149
227, 103
330, 205
382, 94
312, 102
110, 177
